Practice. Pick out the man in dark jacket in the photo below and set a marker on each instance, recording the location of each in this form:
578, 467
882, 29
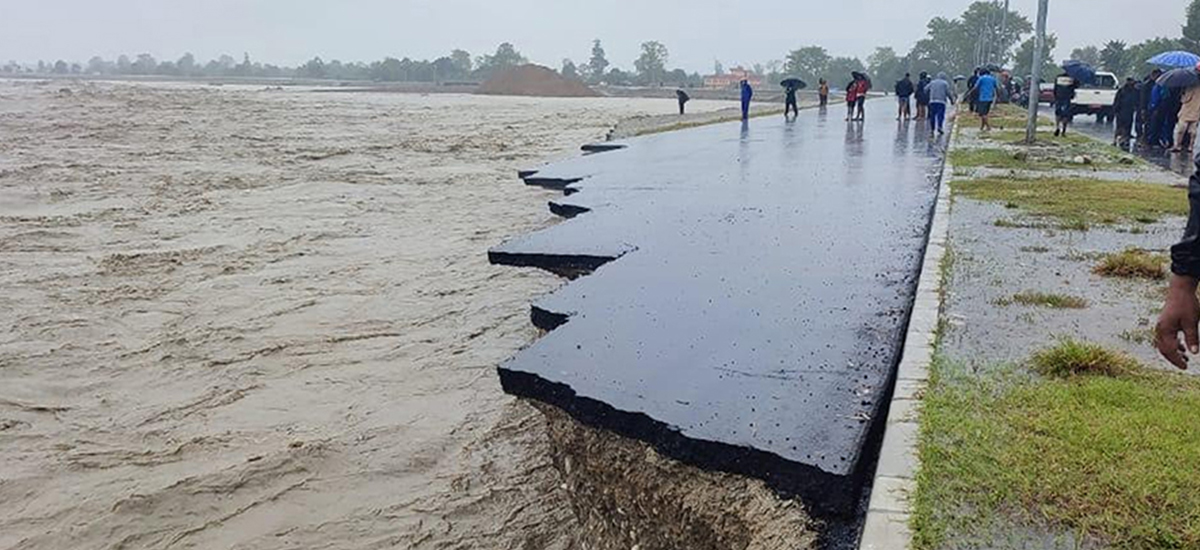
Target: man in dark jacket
747, 95
971, 86
1125, 106
904, 92
683, 98
1144, 113
1182, 310
922, 93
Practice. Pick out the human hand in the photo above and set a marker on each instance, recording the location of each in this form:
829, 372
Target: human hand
1181, 313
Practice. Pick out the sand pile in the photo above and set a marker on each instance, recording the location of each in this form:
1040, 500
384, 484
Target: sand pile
534, 80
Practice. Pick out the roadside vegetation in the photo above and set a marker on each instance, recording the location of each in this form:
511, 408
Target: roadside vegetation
1082, 439
1044, 299
1077, 199
1133, 263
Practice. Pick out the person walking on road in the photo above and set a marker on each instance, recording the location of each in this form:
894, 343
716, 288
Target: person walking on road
1189, 116
747, 95
984, 94
823, 92
904, 92
1125, 107
789, 102
1064, 95
941, 94
683, 98
922, 93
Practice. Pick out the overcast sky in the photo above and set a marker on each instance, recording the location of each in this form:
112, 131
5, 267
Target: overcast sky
546, 31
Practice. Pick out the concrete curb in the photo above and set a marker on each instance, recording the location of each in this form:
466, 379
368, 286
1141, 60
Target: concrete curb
887, 522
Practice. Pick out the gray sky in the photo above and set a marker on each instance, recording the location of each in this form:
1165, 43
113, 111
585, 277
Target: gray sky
695, 31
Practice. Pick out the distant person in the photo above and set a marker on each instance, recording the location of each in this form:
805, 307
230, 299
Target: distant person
1125, 107
823, 92
971, 86
1189, 116
683, 98
941, 94
984, 94
922, 94
904, 92
1144, 112
1181, 310
789, 101
747, 95
1064, 95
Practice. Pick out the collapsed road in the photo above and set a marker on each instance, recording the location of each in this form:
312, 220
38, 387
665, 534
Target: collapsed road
740, 293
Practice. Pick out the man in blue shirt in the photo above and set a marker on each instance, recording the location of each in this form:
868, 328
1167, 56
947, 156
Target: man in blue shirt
985, 93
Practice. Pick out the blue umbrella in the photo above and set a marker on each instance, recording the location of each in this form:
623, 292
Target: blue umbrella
1080, 71
1175, 59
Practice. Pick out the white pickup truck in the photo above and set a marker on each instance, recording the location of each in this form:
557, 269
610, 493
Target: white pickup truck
1097, 98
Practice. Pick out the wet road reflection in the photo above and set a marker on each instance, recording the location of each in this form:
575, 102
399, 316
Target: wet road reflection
758, 281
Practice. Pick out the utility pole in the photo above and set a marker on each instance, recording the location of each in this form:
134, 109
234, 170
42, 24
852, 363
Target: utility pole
1039, 52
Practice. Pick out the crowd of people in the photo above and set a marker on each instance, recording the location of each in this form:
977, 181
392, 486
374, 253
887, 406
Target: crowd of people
1165, 118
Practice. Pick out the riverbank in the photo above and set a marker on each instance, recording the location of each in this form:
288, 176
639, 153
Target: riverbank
1049, 421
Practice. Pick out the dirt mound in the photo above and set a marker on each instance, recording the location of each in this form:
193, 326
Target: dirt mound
534, 80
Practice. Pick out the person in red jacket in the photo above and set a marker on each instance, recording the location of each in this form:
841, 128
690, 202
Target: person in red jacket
856, 97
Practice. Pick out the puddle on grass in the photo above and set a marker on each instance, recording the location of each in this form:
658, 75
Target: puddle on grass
992, 263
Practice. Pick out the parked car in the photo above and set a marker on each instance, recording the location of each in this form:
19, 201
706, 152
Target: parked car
1046, 93
1097, 98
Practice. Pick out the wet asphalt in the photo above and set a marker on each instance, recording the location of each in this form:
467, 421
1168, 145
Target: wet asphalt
751, 287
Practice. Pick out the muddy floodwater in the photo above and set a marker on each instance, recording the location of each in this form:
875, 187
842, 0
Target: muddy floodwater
246, 318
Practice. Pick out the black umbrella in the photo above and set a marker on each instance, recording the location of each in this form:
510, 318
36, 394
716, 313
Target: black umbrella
959, 78
1179, 78
1080, 71
794, 83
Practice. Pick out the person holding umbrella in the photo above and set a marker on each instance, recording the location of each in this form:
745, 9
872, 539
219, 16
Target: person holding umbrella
1189, 107
856, 96
1064, 94
1144, 112
683, 98
790, 87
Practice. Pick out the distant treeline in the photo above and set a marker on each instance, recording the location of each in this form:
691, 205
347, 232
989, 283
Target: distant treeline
458, 66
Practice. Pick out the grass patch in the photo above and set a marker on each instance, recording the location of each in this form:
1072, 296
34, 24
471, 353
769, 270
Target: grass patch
1035, 249
1133, 263
999, 158
1105, 457
1044, 299
1069, 225
1080, 199
1073, 358
1141, 336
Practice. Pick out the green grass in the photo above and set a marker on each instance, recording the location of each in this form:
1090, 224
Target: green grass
1037, 249
1133, 263
1108, 452
1043, 139
1080, 199
1000, 159
1044, 299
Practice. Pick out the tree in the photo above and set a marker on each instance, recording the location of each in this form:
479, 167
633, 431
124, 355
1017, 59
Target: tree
1191, 29
186, 64
651, 66
808, 63
1087, 54
840, 68
718, 68
981, 20
1115, 58
315, 68
462, 63
569, 70
124, 66
947, 47
598, 64
885, 66
61, 67
1024, 62
506, 56
97, 65
145, 64
1140, 53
